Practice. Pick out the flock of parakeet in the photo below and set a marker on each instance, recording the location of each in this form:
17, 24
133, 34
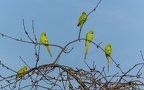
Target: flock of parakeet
89, 37
22, 71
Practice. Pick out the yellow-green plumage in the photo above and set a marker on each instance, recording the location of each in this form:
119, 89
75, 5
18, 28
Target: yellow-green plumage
20, 73
108, 51
89, 38
44, 40
81, 21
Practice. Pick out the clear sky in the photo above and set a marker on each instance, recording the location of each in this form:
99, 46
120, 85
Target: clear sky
118, 22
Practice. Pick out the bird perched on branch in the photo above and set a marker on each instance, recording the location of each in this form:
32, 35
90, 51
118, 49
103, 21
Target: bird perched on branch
44, 40
20, 73
89, 38
81, 21
108, 51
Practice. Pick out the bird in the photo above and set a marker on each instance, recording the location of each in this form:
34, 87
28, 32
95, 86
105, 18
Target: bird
89, 38
20, 73
44, 41
82, 19
108, 51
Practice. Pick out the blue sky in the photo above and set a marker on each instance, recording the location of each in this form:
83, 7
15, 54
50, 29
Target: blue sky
118, 22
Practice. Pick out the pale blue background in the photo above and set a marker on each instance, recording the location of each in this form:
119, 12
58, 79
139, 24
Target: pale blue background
118, 22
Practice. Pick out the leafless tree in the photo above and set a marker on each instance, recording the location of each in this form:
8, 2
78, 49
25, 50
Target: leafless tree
56, 76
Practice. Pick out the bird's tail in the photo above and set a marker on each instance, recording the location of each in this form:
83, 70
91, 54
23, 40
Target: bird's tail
48, 49
86, 51
108, 61
15, 82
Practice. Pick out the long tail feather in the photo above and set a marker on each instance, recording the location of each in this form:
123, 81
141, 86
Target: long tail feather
15, 81
86, 51
48, 49
108, 61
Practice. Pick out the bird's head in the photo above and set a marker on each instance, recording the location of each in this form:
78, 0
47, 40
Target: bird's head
91, 31
25, 67
83, 13
44, 33
109, 45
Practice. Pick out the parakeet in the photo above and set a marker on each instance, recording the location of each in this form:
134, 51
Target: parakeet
44, 40
81, 21
20, 73
89, 38
108, 51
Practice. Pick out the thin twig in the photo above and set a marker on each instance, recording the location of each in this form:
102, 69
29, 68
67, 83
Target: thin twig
142, 55
26, 31
94, 8
24, 62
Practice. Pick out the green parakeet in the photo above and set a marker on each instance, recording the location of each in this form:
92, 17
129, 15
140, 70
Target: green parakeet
20, 73
89, 38
81, 21
108, 51
44, 40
